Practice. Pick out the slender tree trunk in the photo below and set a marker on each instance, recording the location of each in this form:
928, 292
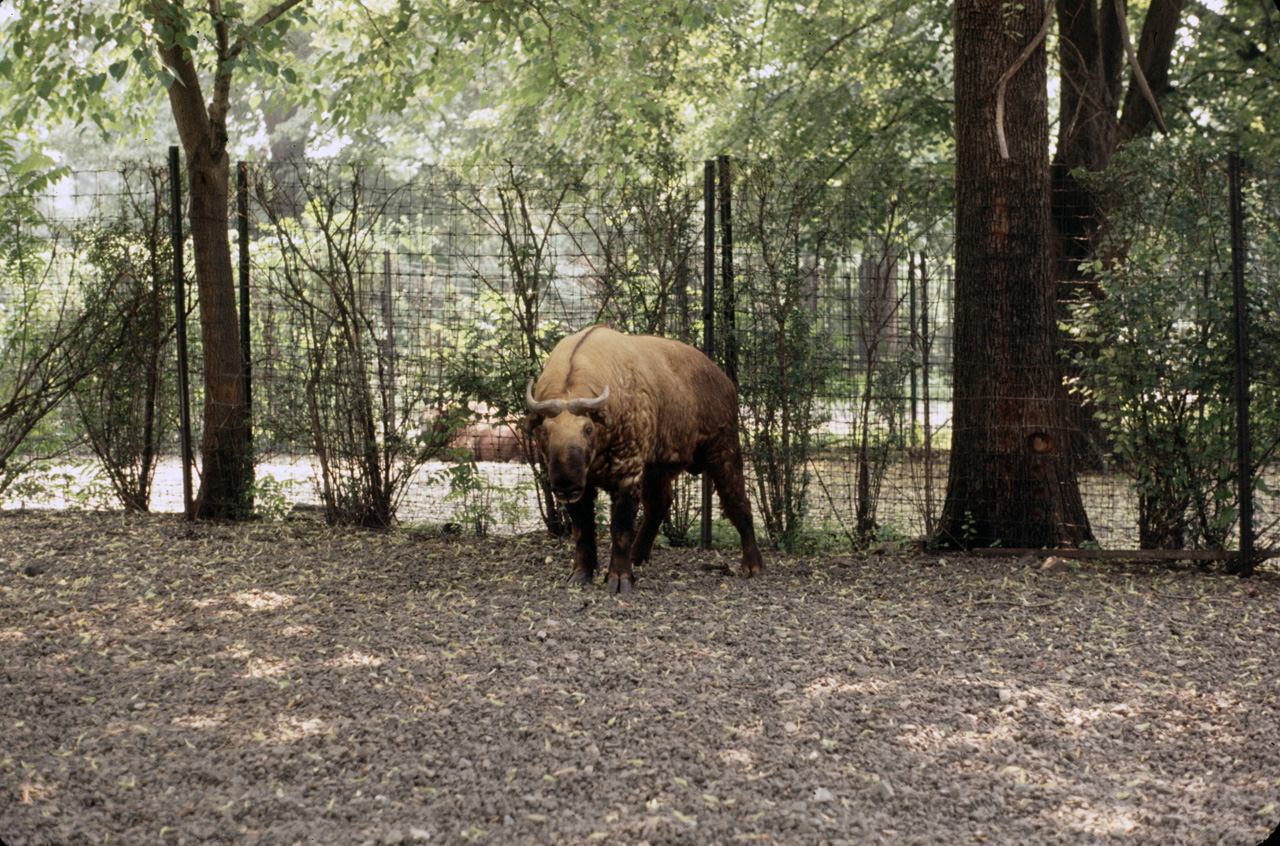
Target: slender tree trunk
1012, 480
226, 471
226, 464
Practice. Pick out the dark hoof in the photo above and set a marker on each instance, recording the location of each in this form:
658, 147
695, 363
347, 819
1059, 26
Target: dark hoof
618, 585
579, 577
752, 572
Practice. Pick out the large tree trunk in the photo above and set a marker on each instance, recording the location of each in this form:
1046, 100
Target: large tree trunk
1012, 479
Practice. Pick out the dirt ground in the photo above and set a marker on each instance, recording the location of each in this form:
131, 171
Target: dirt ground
166, 682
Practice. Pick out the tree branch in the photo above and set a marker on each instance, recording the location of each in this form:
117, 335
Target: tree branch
222, 73
185, 95
1008, 75
1138, 75
266, 19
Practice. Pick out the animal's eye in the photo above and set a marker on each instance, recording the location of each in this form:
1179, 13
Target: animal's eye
586, 430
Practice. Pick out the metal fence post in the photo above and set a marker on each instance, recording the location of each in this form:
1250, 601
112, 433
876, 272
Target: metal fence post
246, 347
180, 328
708, 310
389, 344
728, 297
1240, 305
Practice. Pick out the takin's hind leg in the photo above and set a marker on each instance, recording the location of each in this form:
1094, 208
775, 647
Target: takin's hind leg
726, 475
657, 499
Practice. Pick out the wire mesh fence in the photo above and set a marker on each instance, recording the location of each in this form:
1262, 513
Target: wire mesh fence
396, 315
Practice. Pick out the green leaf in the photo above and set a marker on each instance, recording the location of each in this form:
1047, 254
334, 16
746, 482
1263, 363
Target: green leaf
118, 69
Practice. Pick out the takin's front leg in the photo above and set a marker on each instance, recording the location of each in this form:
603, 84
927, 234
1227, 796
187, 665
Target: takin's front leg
623, 529
583, 516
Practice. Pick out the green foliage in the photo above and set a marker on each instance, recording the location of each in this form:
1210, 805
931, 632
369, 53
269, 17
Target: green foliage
272, 497
784, 352
69, 483
123, 403
484, 505
43, 327
1156, 355
359, 420
647, 234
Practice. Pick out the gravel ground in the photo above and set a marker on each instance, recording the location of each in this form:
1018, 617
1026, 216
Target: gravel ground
166, 682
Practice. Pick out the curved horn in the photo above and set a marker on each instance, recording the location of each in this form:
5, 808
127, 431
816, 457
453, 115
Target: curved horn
548, 407
577, 406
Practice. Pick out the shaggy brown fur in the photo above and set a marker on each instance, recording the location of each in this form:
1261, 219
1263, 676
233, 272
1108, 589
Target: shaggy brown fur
669, 409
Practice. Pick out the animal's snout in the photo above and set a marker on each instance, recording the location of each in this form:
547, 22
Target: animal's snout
568, 493
568, 470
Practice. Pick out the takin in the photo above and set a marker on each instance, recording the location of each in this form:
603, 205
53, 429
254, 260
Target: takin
628, 413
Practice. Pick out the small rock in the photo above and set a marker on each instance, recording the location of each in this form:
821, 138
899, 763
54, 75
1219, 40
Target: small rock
1054, 564
1005, 694
823, 795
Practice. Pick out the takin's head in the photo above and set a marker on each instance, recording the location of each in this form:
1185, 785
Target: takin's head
567, 433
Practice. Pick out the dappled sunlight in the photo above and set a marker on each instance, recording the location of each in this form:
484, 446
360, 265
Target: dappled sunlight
201, 721
260, 668
298, 630
933, 739
263, 600
288, 729
828, 685
1079, 815
891, 704
355, 658
234, 605
738, 757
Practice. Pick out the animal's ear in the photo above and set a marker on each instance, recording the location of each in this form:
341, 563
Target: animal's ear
530, 422
603, 418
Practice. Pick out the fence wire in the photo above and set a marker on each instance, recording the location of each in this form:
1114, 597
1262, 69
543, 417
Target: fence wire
402, 311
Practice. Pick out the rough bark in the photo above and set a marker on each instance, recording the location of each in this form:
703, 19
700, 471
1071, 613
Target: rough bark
226, 468
1093, 66
1011, 477
1155, 52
